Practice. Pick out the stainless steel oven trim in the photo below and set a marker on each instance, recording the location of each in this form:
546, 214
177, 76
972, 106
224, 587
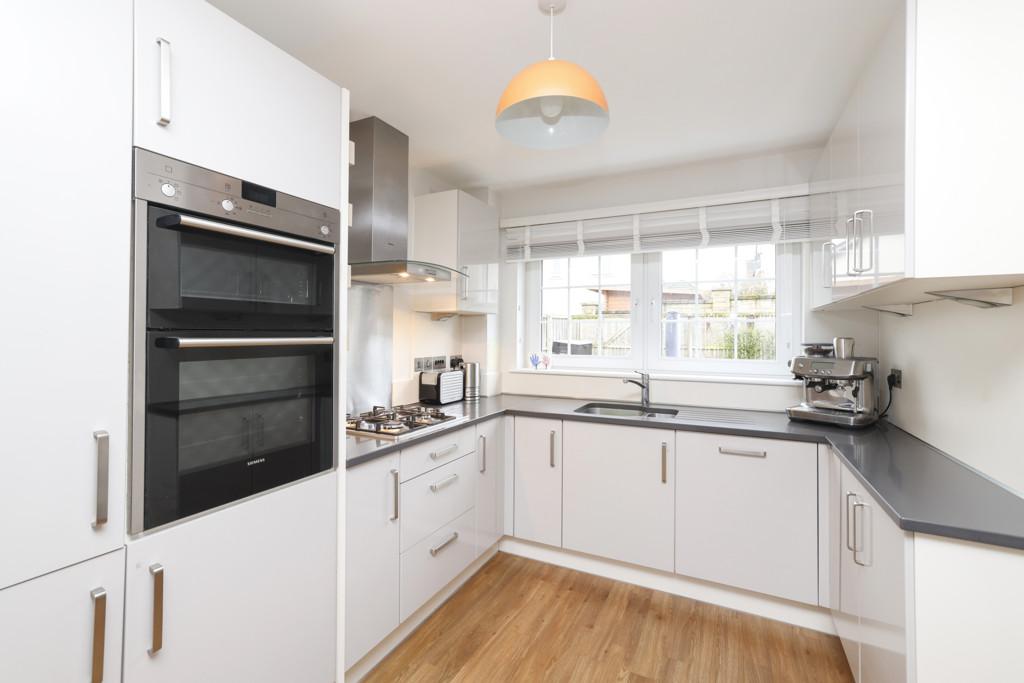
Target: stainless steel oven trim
197, 223
243, 342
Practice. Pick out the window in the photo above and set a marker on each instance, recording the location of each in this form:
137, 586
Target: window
728, 309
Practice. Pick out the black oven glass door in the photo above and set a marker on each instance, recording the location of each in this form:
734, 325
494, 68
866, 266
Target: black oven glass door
226, 421
205, 280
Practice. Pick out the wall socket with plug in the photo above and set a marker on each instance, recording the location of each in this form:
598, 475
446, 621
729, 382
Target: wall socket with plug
897, 378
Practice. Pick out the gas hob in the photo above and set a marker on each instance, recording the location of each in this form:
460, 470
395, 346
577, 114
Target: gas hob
400, 422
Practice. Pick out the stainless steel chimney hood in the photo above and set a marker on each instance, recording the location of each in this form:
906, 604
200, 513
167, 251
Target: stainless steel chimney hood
378, 241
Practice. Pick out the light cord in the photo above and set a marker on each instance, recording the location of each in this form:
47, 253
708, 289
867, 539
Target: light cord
551, 16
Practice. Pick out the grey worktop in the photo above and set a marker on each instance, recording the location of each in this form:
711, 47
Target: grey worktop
920, 487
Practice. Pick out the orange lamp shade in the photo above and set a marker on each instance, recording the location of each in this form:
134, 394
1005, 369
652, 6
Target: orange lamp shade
552, 105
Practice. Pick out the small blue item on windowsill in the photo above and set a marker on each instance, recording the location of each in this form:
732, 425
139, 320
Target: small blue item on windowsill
534, 360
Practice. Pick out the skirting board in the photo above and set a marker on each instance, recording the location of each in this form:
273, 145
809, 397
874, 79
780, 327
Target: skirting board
806, 616
360, 669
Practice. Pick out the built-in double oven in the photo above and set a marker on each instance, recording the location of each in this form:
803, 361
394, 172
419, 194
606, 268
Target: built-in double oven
234, 351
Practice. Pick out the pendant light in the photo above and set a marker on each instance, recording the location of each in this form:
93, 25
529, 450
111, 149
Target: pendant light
552, 104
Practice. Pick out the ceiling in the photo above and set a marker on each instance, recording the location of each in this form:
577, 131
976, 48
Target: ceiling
686, 80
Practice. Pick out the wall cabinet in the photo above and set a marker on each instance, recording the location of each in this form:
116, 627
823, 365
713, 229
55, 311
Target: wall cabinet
211, 92
747, 513
538, 480
490, 489
64, 358
247, 594
872, 617
454, 228
619, 493
371, 554
65, 626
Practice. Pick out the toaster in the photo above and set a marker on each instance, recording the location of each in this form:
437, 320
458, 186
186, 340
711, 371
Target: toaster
441, 387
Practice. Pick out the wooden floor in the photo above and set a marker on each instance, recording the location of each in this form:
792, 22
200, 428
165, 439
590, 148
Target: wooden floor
523, 620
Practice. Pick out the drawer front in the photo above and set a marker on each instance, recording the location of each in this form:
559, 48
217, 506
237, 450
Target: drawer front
428, 566
747, 513
418, 458
435, 498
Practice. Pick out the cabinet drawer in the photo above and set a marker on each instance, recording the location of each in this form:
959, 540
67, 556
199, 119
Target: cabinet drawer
421, 457
428, 566
432, 499
747, 513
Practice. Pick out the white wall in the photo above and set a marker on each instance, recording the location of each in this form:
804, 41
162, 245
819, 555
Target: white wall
963, 369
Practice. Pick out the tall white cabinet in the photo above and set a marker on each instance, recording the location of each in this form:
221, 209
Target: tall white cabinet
211, 92
538, 480
490, 489
64, 262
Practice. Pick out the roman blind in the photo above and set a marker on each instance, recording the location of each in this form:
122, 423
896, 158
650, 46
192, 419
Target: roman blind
782, 220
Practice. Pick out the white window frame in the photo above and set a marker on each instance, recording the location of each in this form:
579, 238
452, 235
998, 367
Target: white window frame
645, 319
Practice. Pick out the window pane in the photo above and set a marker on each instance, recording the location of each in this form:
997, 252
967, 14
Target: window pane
615, 334
716, 263
756, 339
584, 270
554, 317
556, 272
679, 266
679, 299
615, 270
716, 339
755, 261
582, 337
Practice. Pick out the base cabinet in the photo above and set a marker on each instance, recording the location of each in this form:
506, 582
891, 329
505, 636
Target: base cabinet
371, 555
618, 493
747, 513
490, 490
538, 480
246, 594
428, 566
64, 626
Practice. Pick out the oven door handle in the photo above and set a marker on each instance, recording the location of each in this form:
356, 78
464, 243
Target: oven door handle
176, 220
238, 342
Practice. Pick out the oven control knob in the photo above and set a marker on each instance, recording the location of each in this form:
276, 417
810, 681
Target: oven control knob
324, 230
227, 205
168, 189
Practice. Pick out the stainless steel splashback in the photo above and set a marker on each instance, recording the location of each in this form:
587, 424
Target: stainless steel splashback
370, 330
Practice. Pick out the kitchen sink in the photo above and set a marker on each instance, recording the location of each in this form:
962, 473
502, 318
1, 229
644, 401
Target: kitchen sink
624, 410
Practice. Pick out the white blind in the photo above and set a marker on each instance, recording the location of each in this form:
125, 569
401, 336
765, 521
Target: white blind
771, 220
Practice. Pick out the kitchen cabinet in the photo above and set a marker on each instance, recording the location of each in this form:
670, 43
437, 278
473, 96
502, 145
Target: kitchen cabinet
372, 517
490, 486
872, 617
538, 480
211, 92
747, 513
433, 499
64, 264
246, 594
66, 625
619, 492
431, 564
455, 228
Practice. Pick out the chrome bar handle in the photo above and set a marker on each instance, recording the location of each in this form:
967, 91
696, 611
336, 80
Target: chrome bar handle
99, 631
183, 220
444, 544
239, 342
859, 215
828, 263
551, 448
436, 455
394, 492
447, 481
746, 454
849, 520
664, 462
850, 227
483, 454
102, 439
157, 570
165, 82
858, 549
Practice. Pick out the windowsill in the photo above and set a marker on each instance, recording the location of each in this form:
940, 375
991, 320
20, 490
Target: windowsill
762, 380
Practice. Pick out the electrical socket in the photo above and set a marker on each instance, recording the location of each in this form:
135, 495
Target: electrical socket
897, 378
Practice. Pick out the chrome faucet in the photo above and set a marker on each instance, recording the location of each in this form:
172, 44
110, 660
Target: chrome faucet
645, 388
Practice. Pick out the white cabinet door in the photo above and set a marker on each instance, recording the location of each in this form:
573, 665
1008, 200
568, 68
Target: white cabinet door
747, 513
431, 564
64, 353
233, 102
538, 480
490, 486
847, 614
619, 491
371, 554
65, 626
248, 593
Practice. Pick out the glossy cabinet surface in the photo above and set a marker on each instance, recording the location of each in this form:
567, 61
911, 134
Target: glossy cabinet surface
619, 492
431, 564
490, 489
66, 270
248, 594
233, 102
437, 497
747, 513
65, 626
372, 521
538, 480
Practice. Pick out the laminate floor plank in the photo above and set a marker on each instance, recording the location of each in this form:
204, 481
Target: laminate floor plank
523, 620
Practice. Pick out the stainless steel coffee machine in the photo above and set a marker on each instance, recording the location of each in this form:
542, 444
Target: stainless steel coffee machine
839, 388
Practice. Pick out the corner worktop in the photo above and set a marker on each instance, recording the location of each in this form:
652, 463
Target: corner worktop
921, 488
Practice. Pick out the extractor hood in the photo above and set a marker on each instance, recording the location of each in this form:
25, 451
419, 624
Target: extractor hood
378, 186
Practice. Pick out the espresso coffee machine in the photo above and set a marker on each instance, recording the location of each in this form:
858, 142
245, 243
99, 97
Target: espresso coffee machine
839, 388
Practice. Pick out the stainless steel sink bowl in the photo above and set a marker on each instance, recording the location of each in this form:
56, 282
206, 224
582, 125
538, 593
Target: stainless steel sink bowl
624, 410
